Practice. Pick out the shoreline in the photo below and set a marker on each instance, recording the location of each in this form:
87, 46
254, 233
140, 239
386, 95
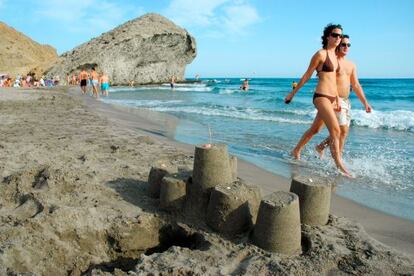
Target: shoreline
391, 230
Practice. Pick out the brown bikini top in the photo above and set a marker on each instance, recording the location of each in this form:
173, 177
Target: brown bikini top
328, 65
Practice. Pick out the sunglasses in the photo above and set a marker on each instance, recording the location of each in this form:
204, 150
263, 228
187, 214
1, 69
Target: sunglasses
346, 44
336, 35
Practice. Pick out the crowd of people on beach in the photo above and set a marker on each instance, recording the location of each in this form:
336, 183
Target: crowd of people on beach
27, 81
84, 79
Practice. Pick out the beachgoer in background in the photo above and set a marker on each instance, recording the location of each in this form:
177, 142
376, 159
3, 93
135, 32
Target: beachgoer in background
83, 77
74, 81
104, 81
56, 80
172, 82
95, 82
67, 79
294, 84
245, 85
346, 80
16, 83
28, 80
8, 82
325, 97
131, 83
42, 81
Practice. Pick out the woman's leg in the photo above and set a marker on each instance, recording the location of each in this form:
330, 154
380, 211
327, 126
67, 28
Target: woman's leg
328, 116
307, 136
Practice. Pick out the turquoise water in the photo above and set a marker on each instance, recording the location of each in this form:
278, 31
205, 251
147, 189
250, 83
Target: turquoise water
258, 127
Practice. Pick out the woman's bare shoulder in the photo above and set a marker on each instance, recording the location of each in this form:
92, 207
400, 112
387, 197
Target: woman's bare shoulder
320, 53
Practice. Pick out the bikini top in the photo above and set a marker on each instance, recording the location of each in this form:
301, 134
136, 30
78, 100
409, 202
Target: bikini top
328, 65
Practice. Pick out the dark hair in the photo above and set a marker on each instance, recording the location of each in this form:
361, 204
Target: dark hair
327, 31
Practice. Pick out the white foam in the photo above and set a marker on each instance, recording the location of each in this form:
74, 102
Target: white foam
186, 84
231, 112
229, 91
197, 87
398, 119
142, 103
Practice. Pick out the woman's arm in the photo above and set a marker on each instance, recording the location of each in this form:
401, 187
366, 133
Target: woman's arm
316, 59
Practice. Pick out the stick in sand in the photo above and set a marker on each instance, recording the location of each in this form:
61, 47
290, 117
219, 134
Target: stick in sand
207, 146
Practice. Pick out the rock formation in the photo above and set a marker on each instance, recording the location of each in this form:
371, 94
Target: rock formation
19, 54
149, 49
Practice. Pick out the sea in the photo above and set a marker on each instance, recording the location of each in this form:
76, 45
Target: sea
260, 128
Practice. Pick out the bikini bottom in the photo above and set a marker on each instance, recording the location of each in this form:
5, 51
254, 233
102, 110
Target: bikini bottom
317, 95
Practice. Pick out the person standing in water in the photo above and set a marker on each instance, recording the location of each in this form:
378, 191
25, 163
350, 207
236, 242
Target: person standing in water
172, 82
245, 85
325, 98
83, 77
104, 81
94, 82
347, 81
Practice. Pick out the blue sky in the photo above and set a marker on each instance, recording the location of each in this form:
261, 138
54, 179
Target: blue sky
238, 38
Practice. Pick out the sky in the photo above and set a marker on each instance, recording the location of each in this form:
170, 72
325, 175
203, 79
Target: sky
238, 38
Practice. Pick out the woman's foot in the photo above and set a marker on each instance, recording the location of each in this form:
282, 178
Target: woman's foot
296, 154
345, 173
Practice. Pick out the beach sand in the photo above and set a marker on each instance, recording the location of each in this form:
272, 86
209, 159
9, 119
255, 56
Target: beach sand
73, 200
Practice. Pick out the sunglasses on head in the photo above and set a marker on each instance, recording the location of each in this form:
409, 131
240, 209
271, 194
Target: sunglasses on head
343, 44
336, 35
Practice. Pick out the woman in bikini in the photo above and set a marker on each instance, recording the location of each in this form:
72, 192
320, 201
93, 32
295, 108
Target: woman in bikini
325, 97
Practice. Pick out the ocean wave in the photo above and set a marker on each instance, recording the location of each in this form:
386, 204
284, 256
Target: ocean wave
398, 120
310, 113
228, 91
194, 89
178, 87
186, 84
390, 97
231, 112
142, 103
121, 89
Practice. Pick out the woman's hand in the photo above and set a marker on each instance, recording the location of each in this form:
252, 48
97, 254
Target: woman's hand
289, 98
337, 105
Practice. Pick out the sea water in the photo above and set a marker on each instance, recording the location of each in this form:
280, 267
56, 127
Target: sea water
259, 127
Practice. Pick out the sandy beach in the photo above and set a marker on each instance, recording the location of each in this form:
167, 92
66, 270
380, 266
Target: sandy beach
74, 200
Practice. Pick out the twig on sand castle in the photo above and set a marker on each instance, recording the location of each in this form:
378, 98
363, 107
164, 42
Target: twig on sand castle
207, 146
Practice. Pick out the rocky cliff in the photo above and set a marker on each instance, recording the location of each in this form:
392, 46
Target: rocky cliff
149, 49
19, 54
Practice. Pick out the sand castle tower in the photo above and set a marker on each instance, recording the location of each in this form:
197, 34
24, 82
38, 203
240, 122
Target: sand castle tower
233, 208
155, 177
211, 167
278, 226
314, 198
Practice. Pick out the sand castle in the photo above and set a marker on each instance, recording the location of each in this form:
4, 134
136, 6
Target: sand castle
231, 207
